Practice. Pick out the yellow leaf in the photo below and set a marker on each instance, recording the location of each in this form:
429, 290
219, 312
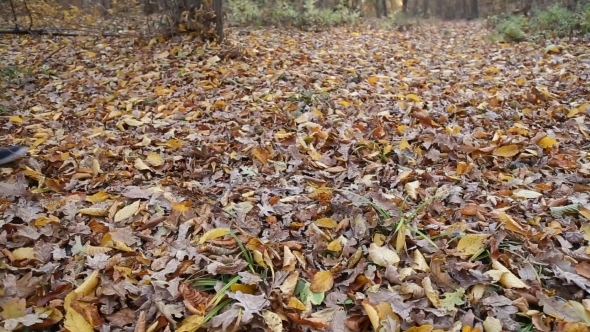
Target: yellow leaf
294, 303
419, 262
181, 206
92, 250
507, 151
288, 286
492, 324
411, 189
525, 193
400, 239
326, 223
552, 49
13, 307
95, 212
335, 245
547, 142
141, 165
383, 256
107, 241
422, 328
174, 143
132, 122
191, 323
344, 103
282, 134
585, 229
273, 321
261, 154
322, 282
379, 239
23, 253
259, 258
114, 114
42, 221
521, 80
246, 289
15, 119
471, 244
511, 224
403, 144
507, 278
127, 212
154, 159
373, 314
373, 79
89, 284
313, 153
430, 292
76, 322
213, 234
99, 197
491, 70
414, 97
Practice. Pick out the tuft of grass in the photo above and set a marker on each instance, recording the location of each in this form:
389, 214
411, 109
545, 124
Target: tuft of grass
222, 292
245, 252
405, 219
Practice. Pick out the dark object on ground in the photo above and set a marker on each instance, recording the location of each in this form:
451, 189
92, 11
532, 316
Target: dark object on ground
9, 154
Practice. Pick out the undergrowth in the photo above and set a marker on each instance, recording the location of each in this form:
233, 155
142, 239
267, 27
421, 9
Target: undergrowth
553, 22
284, 13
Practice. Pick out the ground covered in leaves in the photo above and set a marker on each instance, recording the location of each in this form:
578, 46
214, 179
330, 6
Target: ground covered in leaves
349, 180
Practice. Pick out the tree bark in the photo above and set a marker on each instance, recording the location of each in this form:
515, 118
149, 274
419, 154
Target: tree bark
218, 8
474, 9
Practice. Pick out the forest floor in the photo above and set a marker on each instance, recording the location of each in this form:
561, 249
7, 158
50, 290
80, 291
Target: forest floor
356, 179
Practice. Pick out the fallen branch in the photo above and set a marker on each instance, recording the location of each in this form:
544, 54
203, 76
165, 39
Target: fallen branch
57, 33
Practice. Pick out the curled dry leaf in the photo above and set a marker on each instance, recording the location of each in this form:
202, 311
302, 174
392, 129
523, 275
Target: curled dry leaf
505, 277
127, 212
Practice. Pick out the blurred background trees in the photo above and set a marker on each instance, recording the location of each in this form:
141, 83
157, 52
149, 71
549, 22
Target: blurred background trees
207, 18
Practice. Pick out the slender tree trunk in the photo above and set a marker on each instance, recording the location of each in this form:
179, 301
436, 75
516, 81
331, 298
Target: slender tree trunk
474, 9
384, 5
405, 6
218, 8
377, 9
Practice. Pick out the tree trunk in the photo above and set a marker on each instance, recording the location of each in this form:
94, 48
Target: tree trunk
384, 5
425, 8
218, 7
377, 9
405, 6
474, 9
